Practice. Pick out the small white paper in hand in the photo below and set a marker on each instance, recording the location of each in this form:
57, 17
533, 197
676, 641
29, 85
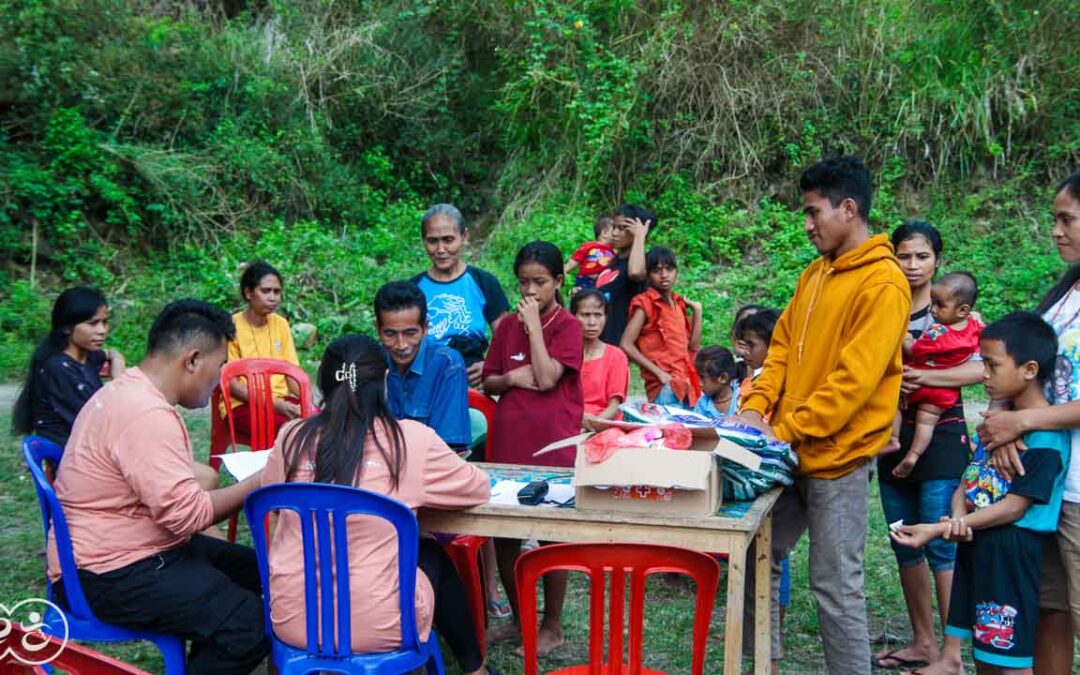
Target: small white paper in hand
245, 463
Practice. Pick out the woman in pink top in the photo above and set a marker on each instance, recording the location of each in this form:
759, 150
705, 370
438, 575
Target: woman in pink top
605, 373
355, 440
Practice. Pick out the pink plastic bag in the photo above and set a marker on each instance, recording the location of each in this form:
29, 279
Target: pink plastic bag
603, 445
677, 436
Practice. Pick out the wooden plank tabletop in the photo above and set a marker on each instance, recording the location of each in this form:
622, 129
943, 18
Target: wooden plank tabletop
544, 517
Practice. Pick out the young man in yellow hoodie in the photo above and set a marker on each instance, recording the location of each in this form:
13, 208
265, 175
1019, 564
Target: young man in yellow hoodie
831, 382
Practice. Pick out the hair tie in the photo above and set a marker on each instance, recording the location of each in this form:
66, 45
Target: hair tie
347, 373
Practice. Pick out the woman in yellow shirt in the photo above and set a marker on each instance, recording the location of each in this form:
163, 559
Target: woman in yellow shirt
263, 334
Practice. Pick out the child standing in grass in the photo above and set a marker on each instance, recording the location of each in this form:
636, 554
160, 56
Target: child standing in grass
534, 367
716, 369
1001, 527
605, 374
663, 334
753, 334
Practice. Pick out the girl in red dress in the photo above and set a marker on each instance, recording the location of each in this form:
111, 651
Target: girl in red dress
534, 367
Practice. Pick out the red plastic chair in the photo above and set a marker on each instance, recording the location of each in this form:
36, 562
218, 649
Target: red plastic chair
72, 658
257, 374
596, 560
464, 550
486, 405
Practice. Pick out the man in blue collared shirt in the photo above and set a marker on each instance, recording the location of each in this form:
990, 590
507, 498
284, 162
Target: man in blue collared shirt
427, 381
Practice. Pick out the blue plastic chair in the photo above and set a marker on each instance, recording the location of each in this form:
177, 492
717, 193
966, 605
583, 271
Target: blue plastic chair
315, 503
81, 622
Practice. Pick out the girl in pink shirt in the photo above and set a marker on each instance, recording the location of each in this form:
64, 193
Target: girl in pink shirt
605, 373
355, 440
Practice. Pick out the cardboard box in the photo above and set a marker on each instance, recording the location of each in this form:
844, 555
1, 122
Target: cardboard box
658, 480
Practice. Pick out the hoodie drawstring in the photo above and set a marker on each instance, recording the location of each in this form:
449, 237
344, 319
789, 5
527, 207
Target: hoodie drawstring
813, 303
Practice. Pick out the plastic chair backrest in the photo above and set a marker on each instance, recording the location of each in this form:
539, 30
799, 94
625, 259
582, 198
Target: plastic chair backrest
220, 439
72, 658
596, 560
257, 374
478, 400
323, 511
37, 451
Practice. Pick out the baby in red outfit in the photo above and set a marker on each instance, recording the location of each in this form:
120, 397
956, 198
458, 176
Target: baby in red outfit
593, 257
950, 341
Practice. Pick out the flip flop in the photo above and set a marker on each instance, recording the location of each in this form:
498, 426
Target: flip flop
896, 662
499, 608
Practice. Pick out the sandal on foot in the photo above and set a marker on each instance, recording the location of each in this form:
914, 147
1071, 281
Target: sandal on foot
891, 661
498, 608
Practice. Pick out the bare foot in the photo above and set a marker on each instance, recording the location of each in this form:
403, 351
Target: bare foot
547, 640
504, 632
942, 667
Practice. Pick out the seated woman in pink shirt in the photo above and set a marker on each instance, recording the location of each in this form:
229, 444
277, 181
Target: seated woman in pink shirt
355, 440
605, 373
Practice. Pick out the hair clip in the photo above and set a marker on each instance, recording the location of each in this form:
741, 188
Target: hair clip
347, 373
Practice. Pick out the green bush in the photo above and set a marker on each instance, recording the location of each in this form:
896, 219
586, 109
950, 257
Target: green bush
155, 147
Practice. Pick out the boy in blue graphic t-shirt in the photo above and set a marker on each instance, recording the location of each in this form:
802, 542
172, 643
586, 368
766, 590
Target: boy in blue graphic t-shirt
1001, 526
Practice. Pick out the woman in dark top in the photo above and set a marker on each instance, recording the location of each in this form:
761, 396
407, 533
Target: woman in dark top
65, 370
924, 495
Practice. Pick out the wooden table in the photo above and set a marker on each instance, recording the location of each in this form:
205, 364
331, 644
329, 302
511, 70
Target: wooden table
714, 534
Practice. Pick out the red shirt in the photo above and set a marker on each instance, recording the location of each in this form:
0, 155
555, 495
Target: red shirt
943, 347
604, 378
527, 420
665, 340
594, 257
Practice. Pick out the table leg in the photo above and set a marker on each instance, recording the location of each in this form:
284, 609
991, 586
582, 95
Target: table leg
736, 589
763, 598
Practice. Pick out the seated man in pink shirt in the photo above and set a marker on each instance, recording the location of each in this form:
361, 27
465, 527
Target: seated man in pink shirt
135, 508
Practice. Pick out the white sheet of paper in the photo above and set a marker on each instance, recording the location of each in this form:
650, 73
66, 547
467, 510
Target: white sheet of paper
245, 463
505, 492
560, 493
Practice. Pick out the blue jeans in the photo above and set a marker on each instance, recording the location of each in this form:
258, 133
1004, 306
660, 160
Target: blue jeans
920, 502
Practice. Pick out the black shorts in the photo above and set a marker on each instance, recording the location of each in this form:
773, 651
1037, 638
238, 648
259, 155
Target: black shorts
995, 595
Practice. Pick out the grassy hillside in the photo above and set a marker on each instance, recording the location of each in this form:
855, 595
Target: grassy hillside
150, 148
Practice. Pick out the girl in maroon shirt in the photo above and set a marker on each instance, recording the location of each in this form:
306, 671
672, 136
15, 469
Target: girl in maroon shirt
534, 367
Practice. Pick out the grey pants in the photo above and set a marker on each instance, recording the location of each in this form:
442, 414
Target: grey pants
835, 513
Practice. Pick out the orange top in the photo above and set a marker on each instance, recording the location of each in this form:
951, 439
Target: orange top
126, 483
665, 340
433, 476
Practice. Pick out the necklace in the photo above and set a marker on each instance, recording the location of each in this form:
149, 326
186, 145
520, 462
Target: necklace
547, 323
724, 403
265, 328
1060, 306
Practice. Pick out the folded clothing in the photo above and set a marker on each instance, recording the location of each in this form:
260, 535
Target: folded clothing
778, 460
